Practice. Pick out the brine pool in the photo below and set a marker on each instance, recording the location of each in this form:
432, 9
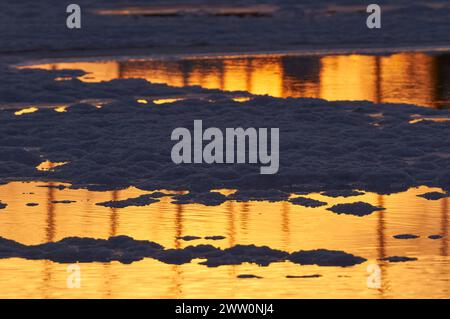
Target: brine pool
279, 225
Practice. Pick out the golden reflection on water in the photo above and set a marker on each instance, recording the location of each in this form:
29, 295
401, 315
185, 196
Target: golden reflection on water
142, 101
278, 225
415, 78
61, 109
26, 111
48, 166
165, 101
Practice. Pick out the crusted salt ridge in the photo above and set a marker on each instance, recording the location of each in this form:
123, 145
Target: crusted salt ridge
142, 200
32, 204
272, 195
434, 195
342, 193
398, 259
303, 276
217, 237
323, 146
127, 250
207, 199
248, 276
189, 238
358, 209
59, 187
66, 201
406, 236
323, 257
307, 202
73, 91
434, 237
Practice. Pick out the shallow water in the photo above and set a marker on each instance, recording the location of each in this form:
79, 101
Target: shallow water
278, 225
414, 78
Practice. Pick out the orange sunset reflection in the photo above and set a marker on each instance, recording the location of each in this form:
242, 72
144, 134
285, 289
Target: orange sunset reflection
283, 225
399, 78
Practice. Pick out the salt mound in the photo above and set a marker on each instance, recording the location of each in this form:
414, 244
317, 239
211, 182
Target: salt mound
434, 195
188, 238
142, 200
406, 236
127, 250
215, 237
357, 209
248, 276
323, 257
342, 193
303, 276
398, 259
307, 202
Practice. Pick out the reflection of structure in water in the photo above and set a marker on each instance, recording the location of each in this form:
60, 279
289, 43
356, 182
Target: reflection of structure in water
414, 78
443, 77
286, 226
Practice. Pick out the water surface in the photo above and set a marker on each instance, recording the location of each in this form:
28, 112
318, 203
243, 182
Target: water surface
278, 225
413, 78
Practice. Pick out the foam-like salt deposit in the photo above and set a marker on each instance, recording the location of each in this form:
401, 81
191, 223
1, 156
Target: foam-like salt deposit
127, 250
307, 202
357, 209
398, 259
324, 146
434, 237
434, 195
142, 200
406, 236
303, 276
342, 193
39, 26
